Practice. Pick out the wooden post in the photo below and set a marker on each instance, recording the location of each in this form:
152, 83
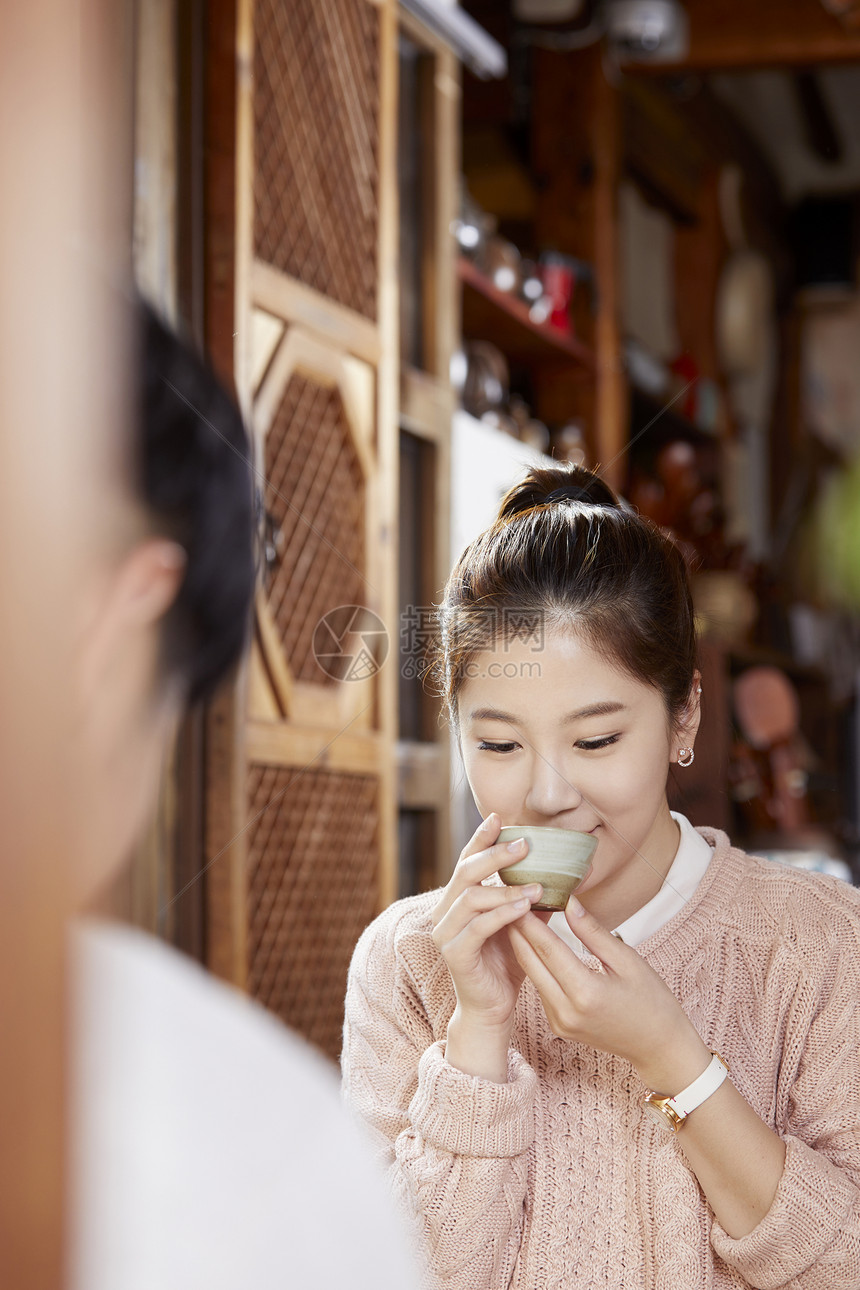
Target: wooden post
229, 54
219, 180
388, 376
577, 151
611, 411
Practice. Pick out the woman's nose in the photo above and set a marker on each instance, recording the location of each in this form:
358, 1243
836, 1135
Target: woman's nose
550, 792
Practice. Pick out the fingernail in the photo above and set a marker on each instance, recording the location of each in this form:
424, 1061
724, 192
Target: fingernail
488, 822
575, 908
534, 891
522, 904
518, 845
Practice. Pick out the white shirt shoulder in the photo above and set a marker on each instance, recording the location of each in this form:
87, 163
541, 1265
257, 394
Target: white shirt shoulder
211, 1147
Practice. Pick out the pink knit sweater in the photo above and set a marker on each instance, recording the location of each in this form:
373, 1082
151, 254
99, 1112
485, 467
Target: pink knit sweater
556, 1180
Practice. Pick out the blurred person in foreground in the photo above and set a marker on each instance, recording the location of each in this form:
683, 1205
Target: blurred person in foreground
210, 1145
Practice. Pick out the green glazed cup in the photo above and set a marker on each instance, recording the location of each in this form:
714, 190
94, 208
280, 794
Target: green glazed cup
558, 859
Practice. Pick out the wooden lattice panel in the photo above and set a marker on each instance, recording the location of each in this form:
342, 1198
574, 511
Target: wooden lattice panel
316, 108
312, 879
315, 496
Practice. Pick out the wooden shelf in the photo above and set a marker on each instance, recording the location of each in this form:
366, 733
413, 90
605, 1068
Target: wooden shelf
490, 314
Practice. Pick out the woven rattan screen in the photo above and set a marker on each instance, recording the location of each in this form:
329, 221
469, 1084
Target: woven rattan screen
315, 496
312, 872
316, 108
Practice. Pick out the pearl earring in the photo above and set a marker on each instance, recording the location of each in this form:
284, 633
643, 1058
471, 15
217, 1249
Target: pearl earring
686, 757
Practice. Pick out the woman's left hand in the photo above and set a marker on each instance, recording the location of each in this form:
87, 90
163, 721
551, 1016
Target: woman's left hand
626, 1009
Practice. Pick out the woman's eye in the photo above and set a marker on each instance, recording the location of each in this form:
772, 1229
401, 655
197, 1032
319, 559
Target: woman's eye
591, 745
483, 746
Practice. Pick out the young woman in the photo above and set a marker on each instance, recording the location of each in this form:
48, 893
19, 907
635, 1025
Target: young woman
550, 1093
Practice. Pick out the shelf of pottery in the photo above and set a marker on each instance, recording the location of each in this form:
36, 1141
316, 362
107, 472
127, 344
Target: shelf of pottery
517, 318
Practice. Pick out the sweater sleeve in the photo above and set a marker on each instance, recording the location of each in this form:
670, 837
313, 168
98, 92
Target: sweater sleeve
455, 1147
810, 1237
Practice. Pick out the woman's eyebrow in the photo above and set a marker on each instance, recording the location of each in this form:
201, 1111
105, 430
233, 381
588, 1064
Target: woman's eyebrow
603, 709
494, 714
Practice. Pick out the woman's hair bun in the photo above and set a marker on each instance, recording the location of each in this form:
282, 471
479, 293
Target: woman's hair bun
544, 486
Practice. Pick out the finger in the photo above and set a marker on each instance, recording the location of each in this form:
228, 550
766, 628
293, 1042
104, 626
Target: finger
555, 998
597, 938
478, 931
485, 834
474, 867
475, 901
557, 959
483, 837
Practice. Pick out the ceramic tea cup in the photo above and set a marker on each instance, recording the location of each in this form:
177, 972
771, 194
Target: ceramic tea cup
558, 859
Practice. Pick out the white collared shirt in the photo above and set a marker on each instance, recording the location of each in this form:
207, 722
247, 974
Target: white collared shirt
686, 872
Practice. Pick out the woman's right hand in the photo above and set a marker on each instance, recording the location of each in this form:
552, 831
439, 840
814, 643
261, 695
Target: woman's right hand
469, 929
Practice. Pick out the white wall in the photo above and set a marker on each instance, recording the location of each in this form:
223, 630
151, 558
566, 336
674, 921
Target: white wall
484, 464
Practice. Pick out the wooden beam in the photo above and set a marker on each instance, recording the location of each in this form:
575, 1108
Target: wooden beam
767, 33
297, 303
274, 743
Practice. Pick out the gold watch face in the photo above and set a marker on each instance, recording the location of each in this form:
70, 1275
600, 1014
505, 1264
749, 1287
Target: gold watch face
662, 1114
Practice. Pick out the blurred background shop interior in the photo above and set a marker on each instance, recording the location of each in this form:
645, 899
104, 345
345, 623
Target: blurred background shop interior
428, 244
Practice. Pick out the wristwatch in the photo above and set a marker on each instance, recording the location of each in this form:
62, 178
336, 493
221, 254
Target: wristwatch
671, 1112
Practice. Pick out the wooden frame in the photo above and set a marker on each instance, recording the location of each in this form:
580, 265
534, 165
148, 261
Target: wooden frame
427, 404
301, 352
280, 327
297, 303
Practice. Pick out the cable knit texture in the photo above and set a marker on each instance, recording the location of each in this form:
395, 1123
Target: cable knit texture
556, 1179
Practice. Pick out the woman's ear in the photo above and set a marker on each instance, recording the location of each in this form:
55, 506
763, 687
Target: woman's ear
149, 581
687, 726
137, 596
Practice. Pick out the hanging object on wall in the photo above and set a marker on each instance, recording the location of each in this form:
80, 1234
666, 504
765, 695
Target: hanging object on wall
745, 303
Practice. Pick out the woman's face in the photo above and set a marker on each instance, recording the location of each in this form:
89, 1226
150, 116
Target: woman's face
562, 738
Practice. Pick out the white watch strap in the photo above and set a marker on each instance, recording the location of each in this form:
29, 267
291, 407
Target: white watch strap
700, 1089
